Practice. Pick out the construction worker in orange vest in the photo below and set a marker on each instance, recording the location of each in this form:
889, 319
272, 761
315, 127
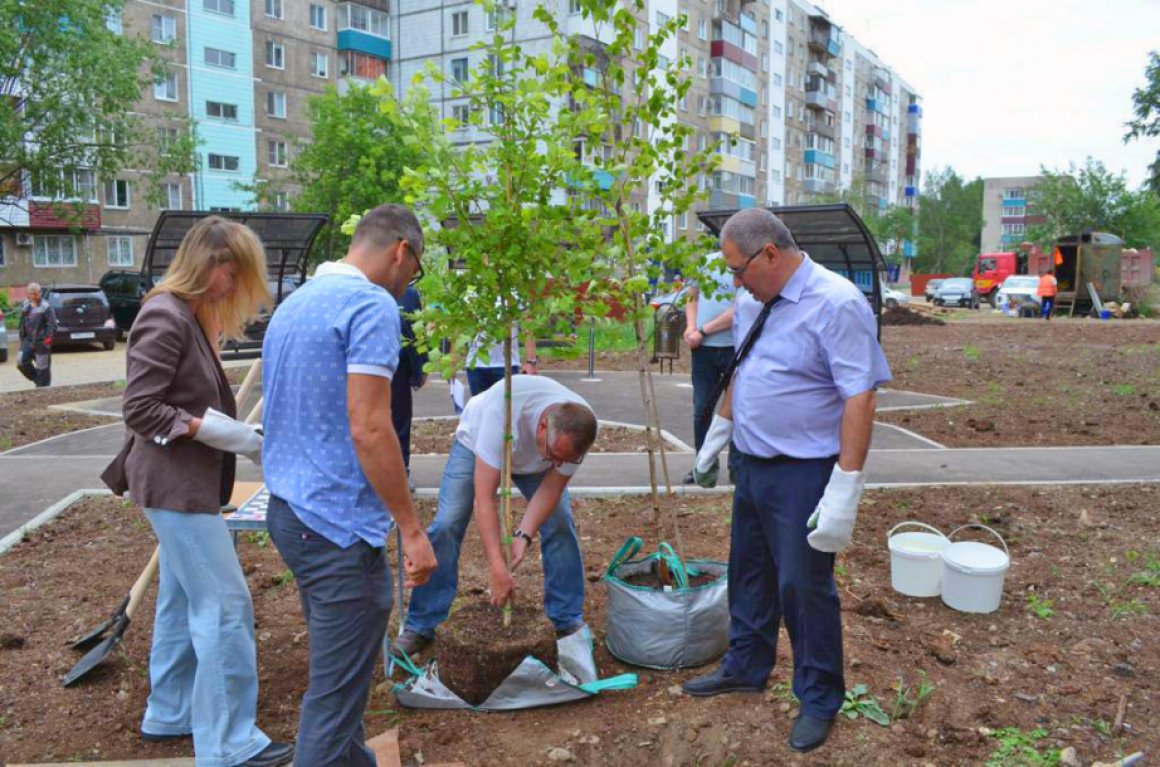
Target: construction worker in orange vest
1048, 288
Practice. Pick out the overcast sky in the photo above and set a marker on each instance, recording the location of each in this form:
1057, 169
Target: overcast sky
1009, 86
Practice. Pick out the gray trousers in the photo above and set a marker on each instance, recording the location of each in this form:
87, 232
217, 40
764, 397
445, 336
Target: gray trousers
346, 598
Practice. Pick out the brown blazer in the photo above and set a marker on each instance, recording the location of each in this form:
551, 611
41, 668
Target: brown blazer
174, 375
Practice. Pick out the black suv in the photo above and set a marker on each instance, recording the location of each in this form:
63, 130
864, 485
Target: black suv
82, 315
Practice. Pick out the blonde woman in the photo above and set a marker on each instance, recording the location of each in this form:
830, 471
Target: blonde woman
178, 465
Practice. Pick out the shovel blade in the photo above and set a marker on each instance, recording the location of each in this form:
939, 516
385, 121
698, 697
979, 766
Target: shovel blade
93, 637
95, 656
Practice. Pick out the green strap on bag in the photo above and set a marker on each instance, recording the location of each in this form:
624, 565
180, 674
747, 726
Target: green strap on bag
630, 549
620, 682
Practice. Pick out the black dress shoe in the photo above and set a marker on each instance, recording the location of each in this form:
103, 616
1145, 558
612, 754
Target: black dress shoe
808, 733
716, 683
151, 737
272, 755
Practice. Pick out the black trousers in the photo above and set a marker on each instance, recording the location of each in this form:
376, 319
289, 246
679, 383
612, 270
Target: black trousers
29, 371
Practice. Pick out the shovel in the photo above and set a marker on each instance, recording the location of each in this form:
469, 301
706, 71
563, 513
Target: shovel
116, 625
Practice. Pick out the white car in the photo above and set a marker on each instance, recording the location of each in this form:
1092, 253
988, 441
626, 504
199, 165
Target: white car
892, 298
1023, 289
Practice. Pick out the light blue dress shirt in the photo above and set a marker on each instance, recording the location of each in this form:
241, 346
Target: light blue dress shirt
819, 348
338, 323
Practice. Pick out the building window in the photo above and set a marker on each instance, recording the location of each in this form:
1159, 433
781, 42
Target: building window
702, 67
778, 48
683, 221
227, 162
573, 7
638, 38
775, 143
776, 112
355, 64
318, 17
215, 57
117, 193
777, 14
52, 250
113, 21
220, 6
1015, 211
765, 62
281, 202
459, 70
702, 28
777, 80
164, 28
459, 24
461, 113
775, 175
276, 153
319, 64
275, 55
276, 104
1014, 193
172, 191
765, 29
119, 251
662, 19
221, 111
165, 87
274, 9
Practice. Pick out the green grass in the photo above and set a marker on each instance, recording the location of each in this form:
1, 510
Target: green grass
971, 353
1042, 608
1021, 748
1123, 390
610, 336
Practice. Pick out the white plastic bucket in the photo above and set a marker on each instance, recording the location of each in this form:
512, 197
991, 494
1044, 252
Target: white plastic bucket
916, 565
973, 573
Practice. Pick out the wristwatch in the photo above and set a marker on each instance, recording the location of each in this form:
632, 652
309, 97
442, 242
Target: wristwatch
521, 534
701, 330
534, 362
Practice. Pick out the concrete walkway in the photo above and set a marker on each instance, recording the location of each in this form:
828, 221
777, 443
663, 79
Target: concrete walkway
37, 476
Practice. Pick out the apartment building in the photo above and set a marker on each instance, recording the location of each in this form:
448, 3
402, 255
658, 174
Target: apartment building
798, 109
1008, 211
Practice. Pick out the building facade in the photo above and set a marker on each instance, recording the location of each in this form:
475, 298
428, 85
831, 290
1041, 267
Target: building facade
799, 111
1008, 211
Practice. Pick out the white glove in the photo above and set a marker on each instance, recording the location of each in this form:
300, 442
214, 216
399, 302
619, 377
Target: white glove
718, 436
837, 511
220, 431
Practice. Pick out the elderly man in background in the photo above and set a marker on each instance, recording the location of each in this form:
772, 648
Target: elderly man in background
803, 402
37, 327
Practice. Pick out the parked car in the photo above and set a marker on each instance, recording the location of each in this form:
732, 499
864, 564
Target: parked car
4, 339
957, 291
82, 315
124, 291
932, 288
892, 298
1024, 289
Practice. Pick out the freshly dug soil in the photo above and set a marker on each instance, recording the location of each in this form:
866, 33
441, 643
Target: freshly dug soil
901, 315
476, 652
435, 435
1031, 382
26, 416
1074, 637
652, 579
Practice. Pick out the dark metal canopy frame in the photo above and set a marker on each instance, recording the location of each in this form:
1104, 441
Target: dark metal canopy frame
287, 238
835, 236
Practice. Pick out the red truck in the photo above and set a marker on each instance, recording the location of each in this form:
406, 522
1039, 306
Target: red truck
992, 268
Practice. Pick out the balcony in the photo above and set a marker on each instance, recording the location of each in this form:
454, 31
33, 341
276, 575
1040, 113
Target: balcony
882, 80
821, 128
876, 202
818, 68
875, 154
818, 157
877, 173
364, 42
820, 100
817, 186
719, 200
44, 215
915, 109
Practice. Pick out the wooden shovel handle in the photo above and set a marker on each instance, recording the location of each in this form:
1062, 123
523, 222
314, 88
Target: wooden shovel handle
137, 593
249, 382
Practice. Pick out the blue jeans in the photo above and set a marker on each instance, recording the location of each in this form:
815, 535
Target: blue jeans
480, 380
203, 670
346, 599
563, 568
775, 575
1048, 306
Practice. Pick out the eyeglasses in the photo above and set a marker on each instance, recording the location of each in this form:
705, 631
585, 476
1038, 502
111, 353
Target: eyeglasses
549, 439
737, 271
419, 274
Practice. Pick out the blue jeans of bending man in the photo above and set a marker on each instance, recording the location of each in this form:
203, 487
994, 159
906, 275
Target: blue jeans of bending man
563, 567
203, 668
775, 575
346, 600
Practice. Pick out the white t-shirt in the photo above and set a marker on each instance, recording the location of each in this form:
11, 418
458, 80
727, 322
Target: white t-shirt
481, 424
476, 357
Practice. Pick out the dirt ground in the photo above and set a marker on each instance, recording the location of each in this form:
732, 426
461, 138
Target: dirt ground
1072, 646
1063, 382
435, 435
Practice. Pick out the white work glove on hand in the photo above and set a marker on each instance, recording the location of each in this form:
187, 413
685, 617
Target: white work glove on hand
833, 520
220, 431
706, 469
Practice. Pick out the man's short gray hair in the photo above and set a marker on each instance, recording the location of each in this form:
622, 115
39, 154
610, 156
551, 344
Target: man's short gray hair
751, 229
385, 225
576, 422
32, 286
